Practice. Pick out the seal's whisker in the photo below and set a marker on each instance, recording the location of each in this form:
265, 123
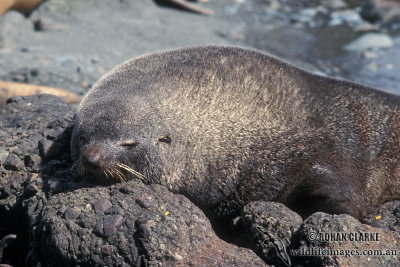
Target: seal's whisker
105, 172
140, 176
121, 174
125, 167
76, 167
114, 175
146, 173
75, 164
117, 175
136, 173
129, 169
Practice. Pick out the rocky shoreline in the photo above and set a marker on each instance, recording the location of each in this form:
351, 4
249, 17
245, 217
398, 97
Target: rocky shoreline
71, 44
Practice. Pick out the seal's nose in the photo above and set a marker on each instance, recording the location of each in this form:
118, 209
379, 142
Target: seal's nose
91, 159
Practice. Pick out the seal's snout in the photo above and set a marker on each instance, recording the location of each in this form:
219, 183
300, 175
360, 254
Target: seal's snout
91, 158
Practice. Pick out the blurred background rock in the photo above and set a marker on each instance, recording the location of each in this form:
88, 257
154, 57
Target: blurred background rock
70, 44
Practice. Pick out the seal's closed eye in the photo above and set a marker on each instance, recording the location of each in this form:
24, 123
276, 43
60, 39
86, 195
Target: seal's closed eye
129, 145
165, 139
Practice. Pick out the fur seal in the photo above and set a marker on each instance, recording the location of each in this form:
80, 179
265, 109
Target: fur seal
227, 125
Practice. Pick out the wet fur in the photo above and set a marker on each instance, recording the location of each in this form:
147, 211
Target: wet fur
245, 126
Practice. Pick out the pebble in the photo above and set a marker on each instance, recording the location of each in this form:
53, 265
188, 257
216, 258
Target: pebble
85, 221
108, 225
101, 70
3, 154
13, 25
111, 223
370, 55
371, 12
55, 185
389, 66
49, 149
274, 5
13, 163
70, 214
392, 18
19, 78
369, 41
334, 4
116, 210
85, 84
31, 189
373, 66
82, 232
366, 27
29, 161
47, 24
126, 189
101, 205
348, 16
306, 15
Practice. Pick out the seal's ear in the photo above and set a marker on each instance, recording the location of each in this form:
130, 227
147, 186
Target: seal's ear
164, 139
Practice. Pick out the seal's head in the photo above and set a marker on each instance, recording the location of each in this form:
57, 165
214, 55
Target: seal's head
110, 143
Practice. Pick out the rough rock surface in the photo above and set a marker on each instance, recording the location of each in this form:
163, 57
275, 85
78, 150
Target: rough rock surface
388, 217
24, 122
268, 229
131, 224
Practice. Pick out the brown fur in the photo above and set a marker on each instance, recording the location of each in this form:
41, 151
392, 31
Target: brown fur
242, 126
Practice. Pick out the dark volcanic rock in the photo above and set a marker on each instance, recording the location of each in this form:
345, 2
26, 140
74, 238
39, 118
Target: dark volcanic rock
22, 122
269, 228
13, 163
156, 228
387, 217
101, 205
